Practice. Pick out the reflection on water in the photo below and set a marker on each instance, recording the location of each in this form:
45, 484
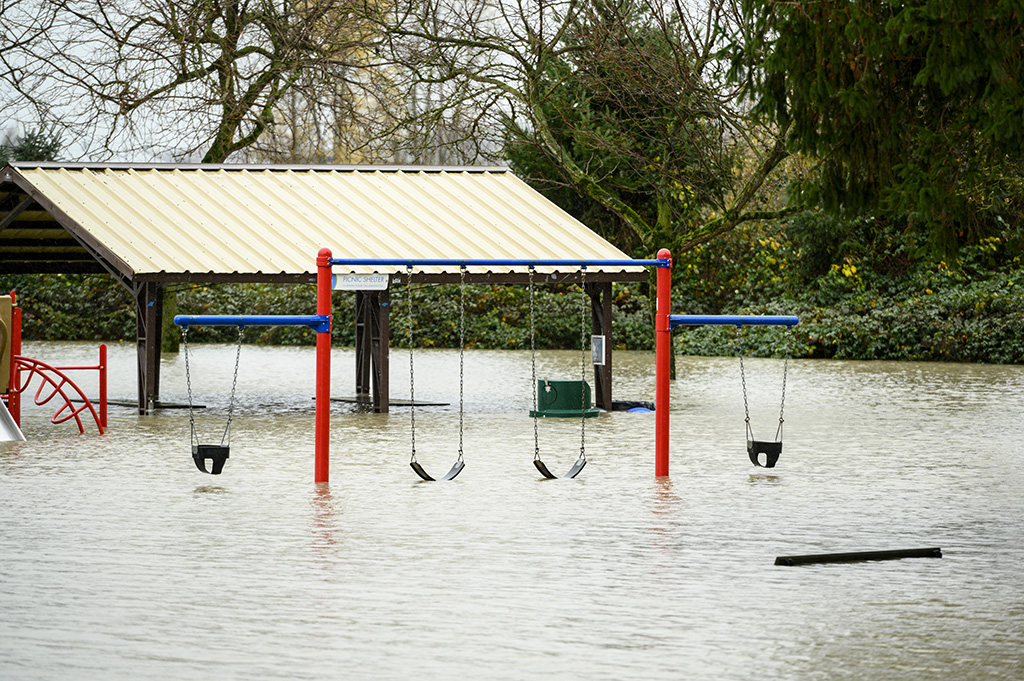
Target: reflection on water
119, 560
210, 489
764, 479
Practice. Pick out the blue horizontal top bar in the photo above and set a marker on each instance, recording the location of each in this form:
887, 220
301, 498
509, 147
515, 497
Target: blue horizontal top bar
730, 320
471, 262
316, 322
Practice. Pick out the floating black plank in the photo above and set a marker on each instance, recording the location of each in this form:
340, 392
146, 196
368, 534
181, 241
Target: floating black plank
859, 556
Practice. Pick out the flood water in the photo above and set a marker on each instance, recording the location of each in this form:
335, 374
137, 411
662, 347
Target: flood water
119, 560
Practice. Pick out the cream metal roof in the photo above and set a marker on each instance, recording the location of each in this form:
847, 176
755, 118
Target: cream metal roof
180, 221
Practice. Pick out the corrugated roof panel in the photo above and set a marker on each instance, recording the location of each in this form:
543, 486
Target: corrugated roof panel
338, 224
250, 220
271, 217
251, 226
358, 223
531, 227
197, 232
163, 249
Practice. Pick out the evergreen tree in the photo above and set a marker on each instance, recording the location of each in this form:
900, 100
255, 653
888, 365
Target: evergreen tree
914, 108
38, 144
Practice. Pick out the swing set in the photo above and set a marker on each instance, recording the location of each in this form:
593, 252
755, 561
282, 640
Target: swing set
322, 320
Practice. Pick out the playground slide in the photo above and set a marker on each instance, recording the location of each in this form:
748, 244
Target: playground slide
9, 430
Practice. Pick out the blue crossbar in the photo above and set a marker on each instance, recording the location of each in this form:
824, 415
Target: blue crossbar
729, 320
320, 323
424, 262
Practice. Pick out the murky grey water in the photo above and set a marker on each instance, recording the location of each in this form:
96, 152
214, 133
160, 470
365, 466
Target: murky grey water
118, 560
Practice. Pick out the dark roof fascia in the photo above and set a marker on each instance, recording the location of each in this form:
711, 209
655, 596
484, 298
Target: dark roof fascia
396, 279
111, 262
519, 278
225, 278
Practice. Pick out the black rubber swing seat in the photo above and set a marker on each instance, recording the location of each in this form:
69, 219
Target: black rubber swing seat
450, 475
217, 454
771, 451
573, 472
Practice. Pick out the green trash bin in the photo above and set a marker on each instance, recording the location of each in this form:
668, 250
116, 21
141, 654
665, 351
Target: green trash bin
562, 399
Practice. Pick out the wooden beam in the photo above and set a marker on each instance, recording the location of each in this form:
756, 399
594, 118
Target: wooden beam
40, 242
52, 267
859, 556
107, 258
149, 303
380, 339
363, 344
373, 340
601, 325
15, 212
46, 256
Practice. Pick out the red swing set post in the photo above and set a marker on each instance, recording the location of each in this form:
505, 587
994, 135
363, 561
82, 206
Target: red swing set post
662, 363
323, 368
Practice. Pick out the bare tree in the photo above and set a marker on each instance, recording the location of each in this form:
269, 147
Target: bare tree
194, 78
335, 120
23, 23
615, 94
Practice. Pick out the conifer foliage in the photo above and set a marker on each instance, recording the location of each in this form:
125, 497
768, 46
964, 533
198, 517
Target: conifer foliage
914, 108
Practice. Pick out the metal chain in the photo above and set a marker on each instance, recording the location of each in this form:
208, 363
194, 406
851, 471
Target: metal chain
583, 362
743, 381
533, 371
462, 351
225, 439
412, 382
785, 373
194, 439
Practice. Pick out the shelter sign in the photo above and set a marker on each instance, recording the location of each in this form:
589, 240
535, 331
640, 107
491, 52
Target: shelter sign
360, 282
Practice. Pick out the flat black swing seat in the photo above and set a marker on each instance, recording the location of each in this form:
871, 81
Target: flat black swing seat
573, 472
450, 475
217, 454
771, 451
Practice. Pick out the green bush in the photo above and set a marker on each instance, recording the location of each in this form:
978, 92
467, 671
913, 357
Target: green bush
863, 290
72, 307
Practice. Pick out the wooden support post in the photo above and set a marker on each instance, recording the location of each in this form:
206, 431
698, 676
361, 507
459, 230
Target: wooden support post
373, 339
380, 315
601, 325
149, 304
363, 343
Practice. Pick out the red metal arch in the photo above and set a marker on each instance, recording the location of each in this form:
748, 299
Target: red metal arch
57, 383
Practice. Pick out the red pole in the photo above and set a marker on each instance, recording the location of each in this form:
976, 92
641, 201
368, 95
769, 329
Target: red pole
323, 368
663, 364
103, 386
14, 391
